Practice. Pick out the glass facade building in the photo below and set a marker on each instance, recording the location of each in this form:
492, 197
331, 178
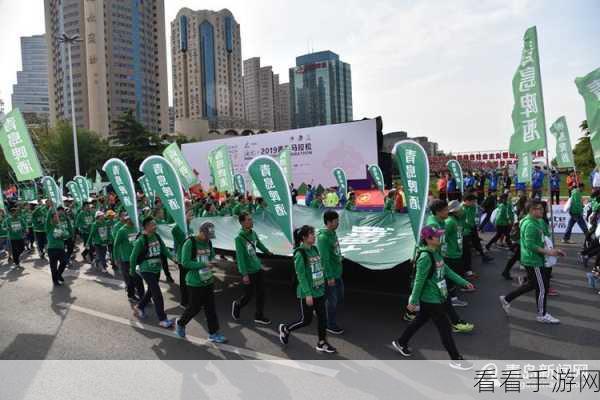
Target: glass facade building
320, 90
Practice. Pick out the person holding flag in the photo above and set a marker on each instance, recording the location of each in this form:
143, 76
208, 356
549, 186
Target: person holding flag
57, 231
83, 223
38, 219
250, 267
15, 226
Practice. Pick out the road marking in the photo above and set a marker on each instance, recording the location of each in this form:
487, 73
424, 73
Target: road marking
242, 352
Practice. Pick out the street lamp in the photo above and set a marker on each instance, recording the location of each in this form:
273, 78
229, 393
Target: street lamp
69, 40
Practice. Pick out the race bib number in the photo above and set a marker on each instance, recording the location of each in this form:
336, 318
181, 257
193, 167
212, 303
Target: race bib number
205, 274
102, 232
16, 226
337, 249
250, 249
318, 277
131, 237
58, 233
443, 288
459, 237
154, 249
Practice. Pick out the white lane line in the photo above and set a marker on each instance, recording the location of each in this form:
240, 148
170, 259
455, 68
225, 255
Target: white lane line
242, 352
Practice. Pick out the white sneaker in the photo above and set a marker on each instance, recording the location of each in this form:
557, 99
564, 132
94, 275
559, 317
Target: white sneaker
548, 319
505, 305
456, 302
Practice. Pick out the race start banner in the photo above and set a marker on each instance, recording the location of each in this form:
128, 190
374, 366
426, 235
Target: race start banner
173, 154
148, 192
564, 151
273, 186
120, 177
377, 176
240, 184
285, 160
18, 148
589, 88
457, 174
76, 193
524, 167
340, 178
413, 165
52, 191
374, 240
528, 118
221, 168
165, 182
84, 187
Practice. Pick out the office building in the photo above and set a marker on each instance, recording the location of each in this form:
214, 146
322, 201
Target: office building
320, 90
207, 70
283, 107
260, 96
119, 65
30, 94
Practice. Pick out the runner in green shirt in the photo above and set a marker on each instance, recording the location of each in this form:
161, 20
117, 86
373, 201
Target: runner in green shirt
197, 257
28, 216
430, 293
57, 231
98, 239
38, 219
178, 239
123, 247
310, 289
83, 223
575, 214
16, 228
503, 221
3, 233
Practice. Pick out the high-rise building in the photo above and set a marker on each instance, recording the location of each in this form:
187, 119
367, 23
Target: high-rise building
118, 66
30, 94
207, 68
284, 121
260, 96
320, 90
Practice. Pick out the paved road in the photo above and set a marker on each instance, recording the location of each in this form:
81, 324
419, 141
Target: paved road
90, 318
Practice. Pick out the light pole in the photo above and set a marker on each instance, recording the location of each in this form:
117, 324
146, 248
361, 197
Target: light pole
69, 40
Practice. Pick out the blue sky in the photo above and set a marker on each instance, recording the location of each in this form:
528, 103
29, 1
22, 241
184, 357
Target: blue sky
441, 69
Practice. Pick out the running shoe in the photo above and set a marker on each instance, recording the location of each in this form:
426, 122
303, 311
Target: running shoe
505, 305
548, 319
179, 329
404, 350
217, 338
324, 347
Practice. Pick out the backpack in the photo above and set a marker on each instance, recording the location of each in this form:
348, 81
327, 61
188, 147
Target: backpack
194, 249
414, 263
142, 257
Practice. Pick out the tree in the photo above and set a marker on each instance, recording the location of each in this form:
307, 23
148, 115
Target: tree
133, 143
584, 157
57, 146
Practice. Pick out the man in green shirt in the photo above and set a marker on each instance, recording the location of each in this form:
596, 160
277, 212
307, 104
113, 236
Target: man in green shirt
503, 221
197, 257
57, 231
38, 220
28, 216
98, 239
533, 253
83, 223
123, 247
179, 238
351, 203
250, 268
576, 214
241, 206
147, 251
3, 233
331, 260
16, 227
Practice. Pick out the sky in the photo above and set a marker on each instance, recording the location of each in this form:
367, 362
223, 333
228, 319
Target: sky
441, 69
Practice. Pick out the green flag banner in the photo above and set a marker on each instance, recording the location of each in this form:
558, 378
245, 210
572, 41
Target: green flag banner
413, 165
375, 240
528, 118
221, 168
340, 178
240, 184
524, 167
377, 176
52, 191
175, 157
285, 160
148, 192
18, 148
27, 193
120, 177
61, 185
164, 180
589, 88
84, 188
76, 193
273, 186
564, 152
97, 183
457, 174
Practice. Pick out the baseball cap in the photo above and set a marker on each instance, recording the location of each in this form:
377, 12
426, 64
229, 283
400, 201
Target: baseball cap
429, 232
208, 228
99, 214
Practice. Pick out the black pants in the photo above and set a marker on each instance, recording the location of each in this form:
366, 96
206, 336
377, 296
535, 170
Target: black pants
133, 283
201, 297
30, 238
57, 263
501, 231
165, 266
17, 246
538, 279
306, 315
69, 247
436, 312
153, 292
183, 289
555, 195
511, 262
40, 241
257, 284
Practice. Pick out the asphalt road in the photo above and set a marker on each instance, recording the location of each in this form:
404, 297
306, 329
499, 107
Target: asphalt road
90, 318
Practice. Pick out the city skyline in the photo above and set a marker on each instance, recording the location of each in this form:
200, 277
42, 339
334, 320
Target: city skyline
426, 68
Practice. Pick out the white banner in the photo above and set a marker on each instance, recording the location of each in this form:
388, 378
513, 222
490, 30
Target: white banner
561, 219
315, 151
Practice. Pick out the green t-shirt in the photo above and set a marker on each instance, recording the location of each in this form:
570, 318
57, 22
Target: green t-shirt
469, 219
331, 256
38, 218
576, 203
99, 234
311, 277
57, 233
123, 243
151, 261
199, 273
16, 227
453, 234
246, 244
532, 237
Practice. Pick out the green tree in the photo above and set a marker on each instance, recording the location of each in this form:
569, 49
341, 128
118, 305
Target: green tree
584, 157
